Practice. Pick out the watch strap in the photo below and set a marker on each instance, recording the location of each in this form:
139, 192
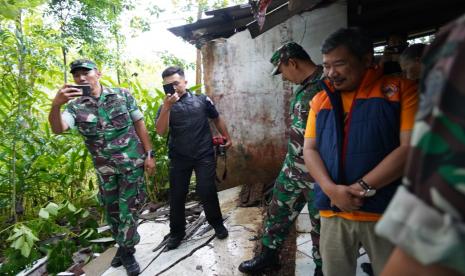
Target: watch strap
364, 185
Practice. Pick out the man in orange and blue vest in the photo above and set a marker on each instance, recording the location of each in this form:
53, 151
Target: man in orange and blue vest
356, 143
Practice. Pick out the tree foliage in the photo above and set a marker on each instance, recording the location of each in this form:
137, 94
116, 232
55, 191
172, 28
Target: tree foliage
42, 173
37, 167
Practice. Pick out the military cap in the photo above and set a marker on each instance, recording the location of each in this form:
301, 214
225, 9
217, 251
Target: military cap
82, 63
284, 53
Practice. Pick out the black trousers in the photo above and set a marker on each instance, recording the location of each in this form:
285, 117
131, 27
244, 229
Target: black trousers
180, 175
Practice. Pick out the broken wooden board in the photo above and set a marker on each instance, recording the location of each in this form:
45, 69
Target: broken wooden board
100, 264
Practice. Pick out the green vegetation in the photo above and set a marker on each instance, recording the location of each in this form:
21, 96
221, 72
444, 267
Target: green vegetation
48, 189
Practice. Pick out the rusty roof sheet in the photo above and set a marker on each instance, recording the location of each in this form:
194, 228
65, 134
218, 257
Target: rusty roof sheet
225, 22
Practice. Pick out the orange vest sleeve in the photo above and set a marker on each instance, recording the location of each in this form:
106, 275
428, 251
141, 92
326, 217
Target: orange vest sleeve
409, 106
310, 130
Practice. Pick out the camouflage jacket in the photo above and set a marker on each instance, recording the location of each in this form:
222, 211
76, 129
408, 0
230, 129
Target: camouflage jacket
108, 129
299, 109
426, 216
437, 161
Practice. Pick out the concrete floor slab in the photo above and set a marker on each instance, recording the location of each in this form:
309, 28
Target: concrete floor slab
215, 257
152, 234
303, 238
304, 264
204, 254
222, 257
305, 209
167, 261
303, 224
305, 248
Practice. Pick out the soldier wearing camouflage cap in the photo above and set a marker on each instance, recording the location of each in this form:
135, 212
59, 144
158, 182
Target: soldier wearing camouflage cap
294, 186
115, 134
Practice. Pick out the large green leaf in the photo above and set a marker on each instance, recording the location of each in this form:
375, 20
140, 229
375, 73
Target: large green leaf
44, 213
52, 208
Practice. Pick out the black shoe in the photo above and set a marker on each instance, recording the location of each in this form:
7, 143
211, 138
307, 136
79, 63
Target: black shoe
174, 241
129, 262
367, 268
266, 261
116, 261
221, 232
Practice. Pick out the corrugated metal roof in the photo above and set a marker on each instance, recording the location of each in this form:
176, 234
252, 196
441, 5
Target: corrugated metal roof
378, 18
228, 21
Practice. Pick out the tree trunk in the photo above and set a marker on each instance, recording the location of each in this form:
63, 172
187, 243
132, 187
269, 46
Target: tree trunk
118, 50
65, 71
20, 89
118, 60
198, 63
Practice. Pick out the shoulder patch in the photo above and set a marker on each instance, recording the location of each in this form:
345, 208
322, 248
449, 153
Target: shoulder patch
390, 89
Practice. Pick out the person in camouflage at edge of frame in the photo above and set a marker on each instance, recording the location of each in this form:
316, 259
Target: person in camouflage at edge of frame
425, 219
294, 186
115, 134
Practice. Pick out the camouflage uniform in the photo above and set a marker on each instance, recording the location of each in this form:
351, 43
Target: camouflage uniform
294, 186
426, 216
118, 155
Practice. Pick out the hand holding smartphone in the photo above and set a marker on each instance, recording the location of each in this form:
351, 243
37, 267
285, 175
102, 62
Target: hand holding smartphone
169, 88
84, 88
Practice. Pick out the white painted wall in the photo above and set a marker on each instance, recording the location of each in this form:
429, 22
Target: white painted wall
254, 104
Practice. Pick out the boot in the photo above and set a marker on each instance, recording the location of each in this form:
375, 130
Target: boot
129, 262
267, 260
318, 271
116, 261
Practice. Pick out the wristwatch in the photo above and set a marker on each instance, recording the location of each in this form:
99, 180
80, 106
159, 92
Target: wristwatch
150, 154
369, 191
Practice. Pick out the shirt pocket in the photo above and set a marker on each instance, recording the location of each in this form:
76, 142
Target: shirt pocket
87, 125
118, 114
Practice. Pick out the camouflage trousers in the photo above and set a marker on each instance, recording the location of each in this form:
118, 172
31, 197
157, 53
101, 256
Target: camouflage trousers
121, 196
289, 198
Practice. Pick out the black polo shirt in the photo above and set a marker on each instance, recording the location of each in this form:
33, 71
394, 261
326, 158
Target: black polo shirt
189, 131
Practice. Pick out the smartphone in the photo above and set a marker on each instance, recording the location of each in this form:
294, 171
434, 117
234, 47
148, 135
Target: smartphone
169, 88
84, 88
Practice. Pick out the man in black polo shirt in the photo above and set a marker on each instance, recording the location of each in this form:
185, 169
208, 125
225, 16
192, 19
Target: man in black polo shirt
190, 148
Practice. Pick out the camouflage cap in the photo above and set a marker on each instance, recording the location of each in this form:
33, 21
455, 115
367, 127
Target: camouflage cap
82, 63
284, 53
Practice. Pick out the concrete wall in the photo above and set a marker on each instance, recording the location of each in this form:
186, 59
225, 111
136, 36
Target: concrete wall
255, 105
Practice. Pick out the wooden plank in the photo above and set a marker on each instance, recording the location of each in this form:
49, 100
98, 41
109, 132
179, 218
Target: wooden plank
100, 264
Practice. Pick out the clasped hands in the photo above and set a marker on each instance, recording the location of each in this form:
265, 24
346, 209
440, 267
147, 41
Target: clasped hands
346, 198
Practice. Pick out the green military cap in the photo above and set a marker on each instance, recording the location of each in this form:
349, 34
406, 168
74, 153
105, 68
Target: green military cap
284, 53
82, 63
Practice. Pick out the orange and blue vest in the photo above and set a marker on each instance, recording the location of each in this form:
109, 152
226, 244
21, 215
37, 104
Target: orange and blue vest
353, 144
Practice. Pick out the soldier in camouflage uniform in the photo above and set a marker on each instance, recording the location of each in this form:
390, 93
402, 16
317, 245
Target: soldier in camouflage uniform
426, 218
294, 186
115, 134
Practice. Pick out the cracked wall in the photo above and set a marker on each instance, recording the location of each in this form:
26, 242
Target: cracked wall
255, 105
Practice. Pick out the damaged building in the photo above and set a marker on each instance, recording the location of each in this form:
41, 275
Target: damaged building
236, 68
